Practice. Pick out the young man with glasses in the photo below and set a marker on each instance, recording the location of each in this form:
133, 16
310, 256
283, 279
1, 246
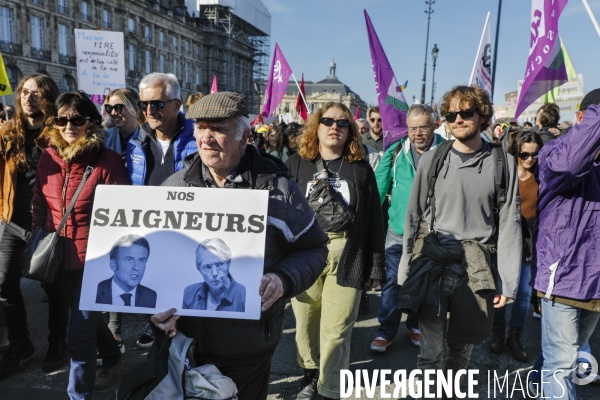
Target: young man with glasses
21, 144
157, 150
451, 234
395, 174
374, 137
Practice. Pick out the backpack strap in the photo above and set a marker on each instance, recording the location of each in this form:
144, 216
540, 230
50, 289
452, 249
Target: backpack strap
500, 176
436, 165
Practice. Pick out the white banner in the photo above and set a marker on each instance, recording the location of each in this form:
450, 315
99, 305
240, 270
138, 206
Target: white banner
100, 61
481, 74
198, 250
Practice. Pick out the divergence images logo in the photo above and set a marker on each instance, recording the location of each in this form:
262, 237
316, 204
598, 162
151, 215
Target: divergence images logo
586, 368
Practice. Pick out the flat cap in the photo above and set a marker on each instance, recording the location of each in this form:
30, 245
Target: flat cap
221, 105
592, 97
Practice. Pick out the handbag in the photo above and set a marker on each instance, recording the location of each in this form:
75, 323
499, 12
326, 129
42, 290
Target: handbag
45, 251
332, 211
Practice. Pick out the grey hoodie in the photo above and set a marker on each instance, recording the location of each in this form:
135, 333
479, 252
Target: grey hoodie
464, 204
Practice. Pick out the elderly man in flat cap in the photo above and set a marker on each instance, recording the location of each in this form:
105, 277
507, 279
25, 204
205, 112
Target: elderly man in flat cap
295, 250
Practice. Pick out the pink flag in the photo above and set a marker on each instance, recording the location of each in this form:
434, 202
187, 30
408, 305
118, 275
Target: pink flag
279, 75
357, 113
214, 88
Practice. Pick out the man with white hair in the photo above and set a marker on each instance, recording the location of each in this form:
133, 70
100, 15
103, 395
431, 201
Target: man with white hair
157, 150
166, 138
295, 246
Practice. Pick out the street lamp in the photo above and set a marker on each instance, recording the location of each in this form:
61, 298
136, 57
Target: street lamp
429, 11
434, 55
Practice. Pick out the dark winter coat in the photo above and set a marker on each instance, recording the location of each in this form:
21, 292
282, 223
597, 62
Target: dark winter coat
295, 250
59, 172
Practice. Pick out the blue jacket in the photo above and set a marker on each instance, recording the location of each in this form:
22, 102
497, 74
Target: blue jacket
184, 144
112, 139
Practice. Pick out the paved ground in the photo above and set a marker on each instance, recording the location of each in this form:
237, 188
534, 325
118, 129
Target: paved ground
32, 383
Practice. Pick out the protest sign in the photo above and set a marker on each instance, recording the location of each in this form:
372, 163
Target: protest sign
100, 61
199, 250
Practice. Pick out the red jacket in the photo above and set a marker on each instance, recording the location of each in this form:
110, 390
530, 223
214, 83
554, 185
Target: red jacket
59, 172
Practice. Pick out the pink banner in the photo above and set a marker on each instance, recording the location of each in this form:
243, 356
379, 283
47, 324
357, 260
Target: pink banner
279, 75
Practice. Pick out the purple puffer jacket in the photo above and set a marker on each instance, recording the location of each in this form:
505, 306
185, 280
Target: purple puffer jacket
567, 263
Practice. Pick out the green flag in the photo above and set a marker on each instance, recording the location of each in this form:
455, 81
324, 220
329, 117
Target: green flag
5, 88
552, 95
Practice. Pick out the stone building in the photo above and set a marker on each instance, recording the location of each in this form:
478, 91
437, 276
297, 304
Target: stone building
319, 93
193, 39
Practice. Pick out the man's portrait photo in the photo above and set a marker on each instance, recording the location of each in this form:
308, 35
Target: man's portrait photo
219, 291
128, 257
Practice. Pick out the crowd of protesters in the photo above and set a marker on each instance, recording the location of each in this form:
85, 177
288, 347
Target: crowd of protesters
449, 226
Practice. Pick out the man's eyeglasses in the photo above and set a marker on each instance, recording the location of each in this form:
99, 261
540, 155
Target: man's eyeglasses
375, 119
35, 96
464, 114
117, 107
77, 120
418, 129
525, 155
156, 105
341, 123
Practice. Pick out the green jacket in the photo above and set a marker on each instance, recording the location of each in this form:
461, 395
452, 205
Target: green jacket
401, 173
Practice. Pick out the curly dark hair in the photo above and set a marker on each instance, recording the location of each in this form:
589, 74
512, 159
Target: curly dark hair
470, 97
281, 138
549, 115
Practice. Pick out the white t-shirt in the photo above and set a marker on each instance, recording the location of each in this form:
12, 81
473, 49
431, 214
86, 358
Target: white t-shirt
164, 144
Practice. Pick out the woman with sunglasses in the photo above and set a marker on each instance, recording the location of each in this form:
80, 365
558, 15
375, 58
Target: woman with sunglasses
122, 107
74, 142
326, 312
524, 148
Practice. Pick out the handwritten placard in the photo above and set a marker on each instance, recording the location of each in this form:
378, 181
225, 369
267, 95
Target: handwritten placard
100, 60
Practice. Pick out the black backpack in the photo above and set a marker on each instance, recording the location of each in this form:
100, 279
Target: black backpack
500, 175
332, 211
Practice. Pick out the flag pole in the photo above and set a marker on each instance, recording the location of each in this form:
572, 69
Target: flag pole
589, 10
301, 94
496, 48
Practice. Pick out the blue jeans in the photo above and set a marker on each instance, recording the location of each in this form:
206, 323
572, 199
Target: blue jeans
87, 331
389, 316
520, 307
564, 330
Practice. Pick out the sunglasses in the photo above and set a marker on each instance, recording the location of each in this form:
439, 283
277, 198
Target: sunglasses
525, 155
375, 119
117, 107
464, 114
156, 105
341, 123
77, 121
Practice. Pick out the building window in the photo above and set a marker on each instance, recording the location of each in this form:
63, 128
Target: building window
161, 39
175, 43
131, 25
106, 19
188, 51
187, 72
63, 40
36, 1
85, 11
132, 57
148, 61
162, 60
148, 34
198, 73
37, 37
62, 6
176, 67
197, 51
67, 84
6, 31
12, 77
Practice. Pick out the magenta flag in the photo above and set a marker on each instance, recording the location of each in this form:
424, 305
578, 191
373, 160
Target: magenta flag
214, 88
279, 75
546, 63
392, 104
